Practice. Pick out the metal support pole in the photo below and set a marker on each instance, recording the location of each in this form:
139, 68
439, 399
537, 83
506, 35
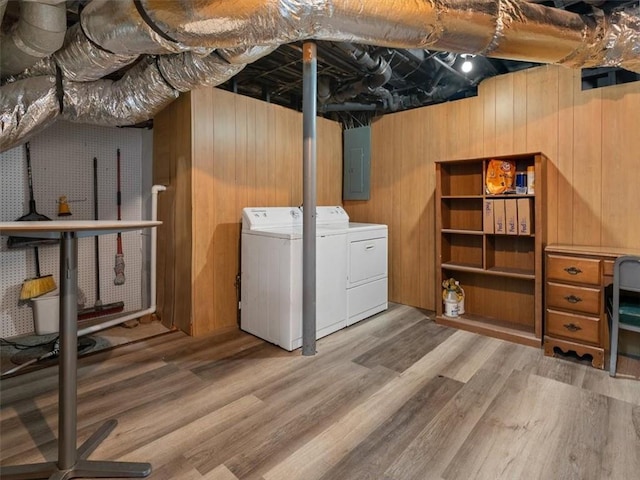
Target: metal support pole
309, 95
67, 417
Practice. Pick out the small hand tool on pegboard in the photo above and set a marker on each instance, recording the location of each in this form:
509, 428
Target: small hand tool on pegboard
119, 265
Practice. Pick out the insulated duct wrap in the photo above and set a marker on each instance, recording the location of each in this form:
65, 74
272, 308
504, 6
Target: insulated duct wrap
228, 23
615, 41
135, 98
38, 33
26, 107
81, 60
3, 6
119, 28
510, 29
187, 71
246, 54
241, 31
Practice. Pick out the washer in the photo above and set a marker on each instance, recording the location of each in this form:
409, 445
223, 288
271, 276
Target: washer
271, 273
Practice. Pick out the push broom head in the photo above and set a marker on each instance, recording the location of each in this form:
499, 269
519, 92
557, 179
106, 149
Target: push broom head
34, 287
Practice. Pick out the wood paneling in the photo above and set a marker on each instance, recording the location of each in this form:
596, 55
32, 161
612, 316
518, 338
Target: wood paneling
621, 164
219, 153
174, 238
591, 138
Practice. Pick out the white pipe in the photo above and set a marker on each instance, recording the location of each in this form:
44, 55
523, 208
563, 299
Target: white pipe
152, 300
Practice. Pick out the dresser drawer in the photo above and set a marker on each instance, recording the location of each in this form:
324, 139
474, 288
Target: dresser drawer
575, 327
573, 269
572, 297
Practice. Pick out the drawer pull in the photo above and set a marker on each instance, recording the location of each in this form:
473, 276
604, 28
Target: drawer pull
572, 327
370, 247
572, 299
573, 270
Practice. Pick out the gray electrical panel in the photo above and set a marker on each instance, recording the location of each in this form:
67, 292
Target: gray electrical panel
357, 163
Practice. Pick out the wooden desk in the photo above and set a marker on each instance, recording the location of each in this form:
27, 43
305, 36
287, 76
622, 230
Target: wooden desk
72, 461
575, 305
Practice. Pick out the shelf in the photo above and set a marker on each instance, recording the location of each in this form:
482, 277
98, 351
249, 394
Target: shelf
509, 195
462, 249
492, 328
501, 272
511, 253
461, 179
462, 213
462, 232
464, 197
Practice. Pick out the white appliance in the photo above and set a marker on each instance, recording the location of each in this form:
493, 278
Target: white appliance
271, 273
351, 272
367, 271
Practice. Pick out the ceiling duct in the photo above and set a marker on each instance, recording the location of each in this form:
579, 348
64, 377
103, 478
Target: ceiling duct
511, 29
38, 33
3, 6
26, 108
378, 73
113, 34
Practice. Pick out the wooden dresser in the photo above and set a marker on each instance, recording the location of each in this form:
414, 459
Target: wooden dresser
575, 309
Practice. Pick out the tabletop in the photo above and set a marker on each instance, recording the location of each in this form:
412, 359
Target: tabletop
83, 228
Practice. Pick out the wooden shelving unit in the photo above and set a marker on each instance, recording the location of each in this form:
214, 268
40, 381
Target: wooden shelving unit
501, 274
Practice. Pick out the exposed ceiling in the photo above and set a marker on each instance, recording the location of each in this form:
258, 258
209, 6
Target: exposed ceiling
418, 78
355, 81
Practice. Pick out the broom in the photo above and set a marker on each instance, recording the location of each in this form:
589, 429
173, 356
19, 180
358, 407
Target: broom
38, 285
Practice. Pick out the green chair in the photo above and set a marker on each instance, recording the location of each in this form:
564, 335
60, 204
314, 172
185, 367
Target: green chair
624, 308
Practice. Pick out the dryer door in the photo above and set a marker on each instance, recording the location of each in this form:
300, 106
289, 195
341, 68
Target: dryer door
367, 260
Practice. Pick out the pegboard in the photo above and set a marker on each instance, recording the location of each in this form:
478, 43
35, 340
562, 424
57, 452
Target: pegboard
62, 164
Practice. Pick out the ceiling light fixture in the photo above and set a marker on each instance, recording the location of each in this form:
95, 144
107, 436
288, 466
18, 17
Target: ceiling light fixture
467, 66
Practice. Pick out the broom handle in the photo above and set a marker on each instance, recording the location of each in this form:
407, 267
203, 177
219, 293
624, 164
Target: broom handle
119, 201
32, 200
37, 255
95, 217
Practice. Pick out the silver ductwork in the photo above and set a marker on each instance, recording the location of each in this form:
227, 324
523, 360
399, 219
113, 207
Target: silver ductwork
512, 29
27, 107
187, 71
3, 6
38, 33
144, 90
83, 60
113, 34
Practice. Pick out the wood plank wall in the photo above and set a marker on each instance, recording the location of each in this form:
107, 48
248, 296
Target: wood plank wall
244, 153
592, 138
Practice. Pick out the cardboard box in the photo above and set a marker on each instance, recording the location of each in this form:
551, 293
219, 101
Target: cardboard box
511, 216
499, 226
487, 222
525, 226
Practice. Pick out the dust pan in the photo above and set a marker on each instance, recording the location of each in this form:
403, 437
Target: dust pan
32, 216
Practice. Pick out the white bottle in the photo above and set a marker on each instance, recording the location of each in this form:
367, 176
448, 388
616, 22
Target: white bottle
531, 180
451, 304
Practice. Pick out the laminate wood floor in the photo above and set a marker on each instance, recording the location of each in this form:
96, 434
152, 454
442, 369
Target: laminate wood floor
395, 397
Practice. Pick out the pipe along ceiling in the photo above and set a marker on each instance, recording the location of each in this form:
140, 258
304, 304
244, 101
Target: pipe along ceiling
164, 48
